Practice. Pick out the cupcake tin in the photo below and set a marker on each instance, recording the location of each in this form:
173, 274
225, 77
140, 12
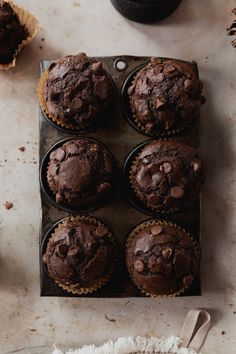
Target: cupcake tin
122, 212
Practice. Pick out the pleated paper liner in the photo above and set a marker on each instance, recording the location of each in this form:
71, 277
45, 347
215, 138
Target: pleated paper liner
60, 123
75, 289
31, 25
135, 122
153, 222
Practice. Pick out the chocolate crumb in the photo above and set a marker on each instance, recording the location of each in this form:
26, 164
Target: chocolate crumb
21, 148
109, 319
223, 333
32, 329
42, 39
40, 47
8, 205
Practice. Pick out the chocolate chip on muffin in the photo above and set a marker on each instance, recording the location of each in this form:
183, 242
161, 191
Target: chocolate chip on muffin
167, 175
165, 96
80, 173
77, 91
12, 33
162, 259
80, 254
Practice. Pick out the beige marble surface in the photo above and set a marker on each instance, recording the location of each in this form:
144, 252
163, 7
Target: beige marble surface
196, 31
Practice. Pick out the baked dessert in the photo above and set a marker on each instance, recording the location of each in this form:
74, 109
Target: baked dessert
166, 175
165, 96
80, 173
12, 33
76, 92
162, 259
80, 254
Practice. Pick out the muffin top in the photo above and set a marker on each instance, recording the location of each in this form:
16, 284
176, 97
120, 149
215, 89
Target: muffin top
167, 175
79, 253
165, 95
12, 33
77, 90
162, 259
80, 173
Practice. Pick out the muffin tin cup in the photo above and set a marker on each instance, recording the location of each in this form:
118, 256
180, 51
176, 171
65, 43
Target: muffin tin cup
30, 23
152, 222
75, 290
50, 195
69, 127
130, 114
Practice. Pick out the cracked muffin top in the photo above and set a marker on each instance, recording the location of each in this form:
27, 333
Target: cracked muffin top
165, 95
161, 258
79, 253
167, 175
77, 90
80, 173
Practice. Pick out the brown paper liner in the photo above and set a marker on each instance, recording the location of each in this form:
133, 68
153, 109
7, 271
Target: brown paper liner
43, 104
167, 132
143, 226
134, 164
30, 22
77, 290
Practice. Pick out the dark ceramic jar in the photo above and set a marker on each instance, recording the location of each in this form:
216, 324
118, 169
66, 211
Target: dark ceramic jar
146, 11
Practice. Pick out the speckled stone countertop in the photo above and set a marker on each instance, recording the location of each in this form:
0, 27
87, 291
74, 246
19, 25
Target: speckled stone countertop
195, 31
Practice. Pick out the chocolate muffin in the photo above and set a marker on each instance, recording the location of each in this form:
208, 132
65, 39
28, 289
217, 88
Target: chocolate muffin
12, 33
165, 96
166, 176
162, 259
76, 91
80, 254
80, 173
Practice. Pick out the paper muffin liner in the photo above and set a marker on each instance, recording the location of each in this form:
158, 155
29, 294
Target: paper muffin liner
30, 22
75, 289
166, 132
43, 105
132, 184
153, 222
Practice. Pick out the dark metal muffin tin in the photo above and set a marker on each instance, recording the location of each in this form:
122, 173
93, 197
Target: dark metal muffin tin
118, 213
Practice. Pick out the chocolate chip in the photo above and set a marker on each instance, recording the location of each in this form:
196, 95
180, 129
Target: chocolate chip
59, 198
76, 104
62, 249
138, 266
187, 280
103, 187
100, 231
97, 67
160, 102
197, 165
167, 252
131, 90
177, 192
156, 229
73, 251
166, 167
153, 199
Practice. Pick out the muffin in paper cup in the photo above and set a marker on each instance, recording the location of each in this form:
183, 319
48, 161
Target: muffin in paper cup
165, 97
166, 176
76, 92
30, 25
162, 258
81, 254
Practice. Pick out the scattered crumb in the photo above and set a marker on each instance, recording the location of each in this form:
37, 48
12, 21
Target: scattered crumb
109, 319
127, 303
8, 205
42, 39
21, 148
234, 312
40, 47
32, 330
223, 333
